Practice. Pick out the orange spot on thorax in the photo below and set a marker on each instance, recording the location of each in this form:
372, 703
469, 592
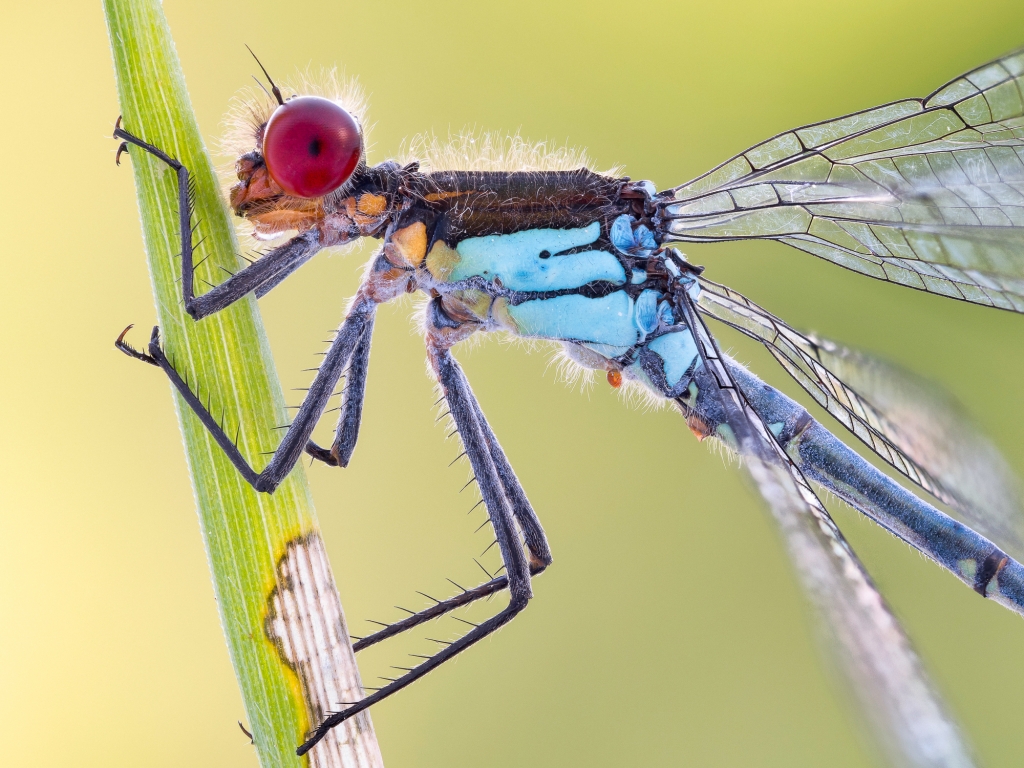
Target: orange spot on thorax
408, 245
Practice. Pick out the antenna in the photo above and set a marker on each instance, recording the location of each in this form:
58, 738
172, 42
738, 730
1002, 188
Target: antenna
273, 87
262, 87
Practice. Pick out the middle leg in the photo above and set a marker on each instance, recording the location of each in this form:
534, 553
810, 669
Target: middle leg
347, 431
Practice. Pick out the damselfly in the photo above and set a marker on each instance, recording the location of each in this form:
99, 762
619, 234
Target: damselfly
926, 193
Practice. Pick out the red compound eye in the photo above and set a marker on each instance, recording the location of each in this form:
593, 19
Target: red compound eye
311, 146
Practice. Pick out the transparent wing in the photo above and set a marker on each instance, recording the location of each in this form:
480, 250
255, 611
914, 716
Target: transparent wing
889, 680
934, 429
927, 193
919, 431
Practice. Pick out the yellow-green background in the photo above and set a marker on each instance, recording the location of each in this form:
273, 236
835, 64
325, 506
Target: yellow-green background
669, 631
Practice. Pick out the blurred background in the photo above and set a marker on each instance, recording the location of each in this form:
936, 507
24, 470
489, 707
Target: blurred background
670, 630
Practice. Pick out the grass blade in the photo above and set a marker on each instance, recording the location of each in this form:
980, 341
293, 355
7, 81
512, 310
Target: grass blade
279, 606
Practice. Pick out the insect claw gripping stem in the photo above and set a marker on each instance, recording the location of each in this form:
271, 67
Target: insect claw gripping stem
259, 277
123, 146
129, 350
296, 438
246, 732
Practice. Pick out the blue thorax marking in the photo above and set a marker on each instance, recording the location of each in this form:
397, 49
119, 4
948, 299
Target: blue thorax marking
529, 260
678, 350
647, 311
605, 320
615, 325
632, 239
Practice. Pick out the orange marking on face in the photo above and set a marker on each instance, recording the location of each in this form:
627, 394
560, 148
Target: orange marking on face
615, 378
259, 199
272, 222
254, 184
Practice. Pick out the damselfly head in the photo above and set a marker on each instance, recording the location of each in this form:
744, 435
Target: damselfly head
295, 156
311, 146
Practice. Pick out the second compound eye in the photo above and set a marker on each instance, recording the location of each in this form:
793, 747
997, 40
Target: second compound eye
311, 146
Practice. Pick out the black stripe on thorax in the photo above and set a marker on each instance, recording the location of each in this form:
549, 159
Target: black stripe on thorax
595, 290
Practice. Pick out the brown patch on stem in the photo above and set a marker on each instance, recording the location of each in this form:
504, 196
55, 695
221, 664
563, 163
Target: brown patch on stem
307, 626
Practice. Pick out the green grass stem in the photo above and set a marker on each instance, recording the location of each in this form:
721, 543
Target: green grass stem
279, 606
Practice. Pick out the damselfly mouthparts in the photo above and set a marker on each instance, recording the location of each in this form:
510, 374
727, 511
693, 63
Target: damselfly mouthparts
926, 193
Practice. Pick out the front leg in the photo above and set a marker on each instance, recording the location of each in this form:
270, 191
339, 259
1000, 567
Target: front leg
299, 431
260, 276
383, 283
